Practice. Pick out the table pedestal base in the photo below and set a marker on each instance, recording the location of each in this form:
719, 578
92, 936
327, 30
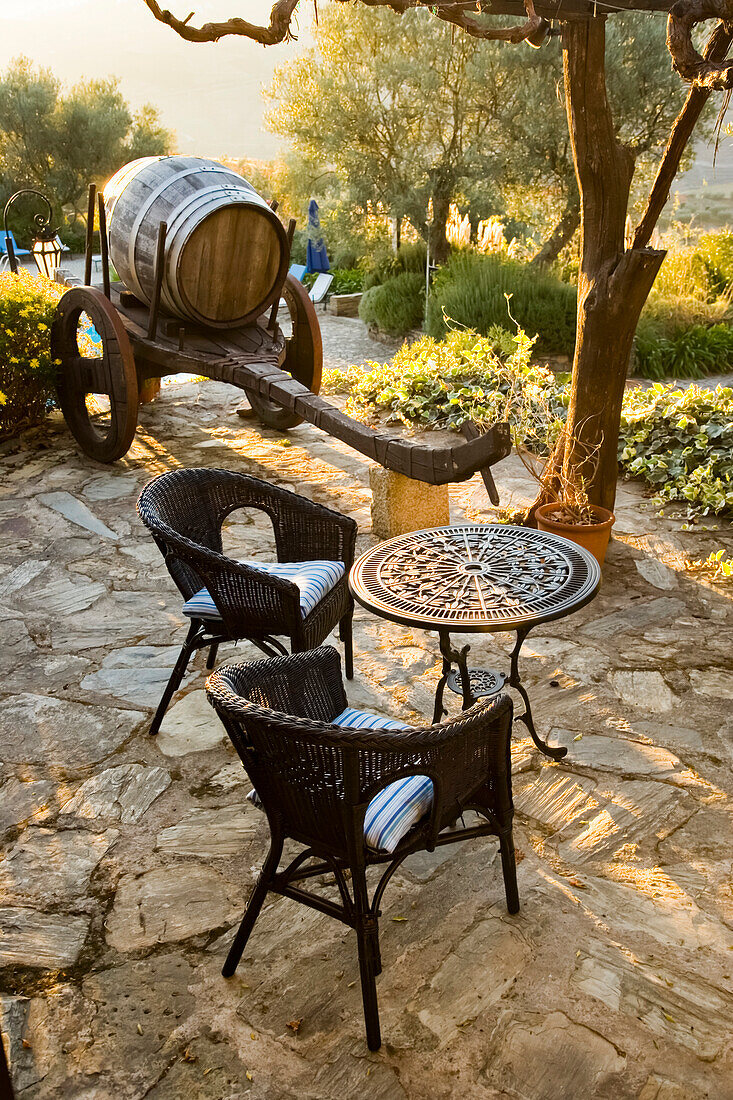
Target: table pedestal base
471, 685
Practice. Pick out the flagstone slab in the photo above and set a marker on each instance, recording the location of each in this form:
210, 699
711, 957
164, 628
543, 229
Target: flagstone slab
661, 1088
211, 833
545, 1057
137, 674
20, 801
655, 904
555, 798
47, 867
115, 619
121, 794
57, 672
45, 940
635, 617
657, 573
231, 777
169, 904
717, 682
110, 487
684, 1009
480, 968
22, 575
643, 689
63, 735
616, 754
139, 1005
76, 512
45, 1034
190, 725
630, 810
62, 595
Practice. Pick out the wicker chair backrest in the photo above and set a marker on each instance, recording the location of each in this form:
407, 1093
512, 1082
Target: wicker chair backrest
185, 509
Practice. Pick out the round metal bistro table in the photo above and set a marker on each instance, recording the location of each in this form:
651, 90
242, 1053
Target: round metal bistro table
477, 578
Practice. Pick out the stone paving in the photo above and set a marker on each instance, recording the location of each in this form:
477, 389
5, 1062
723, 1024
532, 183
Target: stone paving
127, 859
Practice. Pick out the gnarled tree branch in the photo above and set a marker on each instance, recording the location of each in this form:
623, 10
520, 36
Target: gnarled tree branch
702, 72
457, 12
277, 31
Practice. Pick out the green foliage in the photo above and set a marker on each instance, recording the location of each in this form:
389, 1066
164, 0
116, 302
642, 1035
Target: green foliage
397, 306
715, 566
74, 235
27, 373
471, 290
440, 384
716, 250
684, 331
345, 281
681, 443
60, 141
382, 264
689, 353
401, 108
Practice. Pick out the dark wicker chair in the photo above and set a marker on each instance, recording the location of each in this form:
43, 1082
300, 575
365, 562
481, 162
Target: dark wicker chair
184, 511
315, 781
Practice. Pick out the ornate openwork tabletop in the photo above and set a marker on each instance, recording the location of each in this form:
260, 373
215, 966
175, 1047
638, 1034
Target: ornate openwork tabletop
473, 578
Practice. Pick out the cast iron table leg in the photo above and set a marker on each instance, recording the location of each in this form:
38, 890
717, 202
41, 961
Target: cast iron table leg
452, 656
555, 753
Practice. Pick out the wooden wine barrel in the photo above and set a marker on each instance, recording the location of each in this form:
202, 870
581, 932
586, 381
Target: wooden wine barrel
226, 253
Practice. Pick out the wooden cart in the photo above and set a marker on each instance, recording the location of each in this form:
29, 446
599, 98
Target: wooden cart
281, 375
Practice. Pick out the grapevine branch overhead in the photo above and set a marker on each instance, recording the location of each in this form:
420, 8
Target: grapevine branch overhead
683, 16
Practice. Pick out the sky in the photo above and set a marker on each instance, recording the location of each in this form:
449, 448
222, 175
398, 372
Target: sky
209, 93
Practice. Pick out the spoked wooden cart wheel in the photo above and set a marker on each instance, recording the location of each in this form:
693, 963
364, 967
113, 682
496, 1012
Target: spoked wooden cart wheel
98, 395
303, 358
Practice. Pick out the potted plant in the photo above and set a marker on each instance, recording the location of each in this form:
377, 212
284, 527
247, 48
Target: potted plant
567, 510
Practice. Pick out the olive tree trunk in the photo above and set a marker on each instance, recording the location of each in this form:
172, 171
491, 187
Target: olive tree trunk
439, 247
561, 235
613, 282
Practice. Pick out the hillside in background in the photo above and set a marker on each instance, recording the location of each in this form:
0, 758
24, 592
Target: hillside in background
703, 196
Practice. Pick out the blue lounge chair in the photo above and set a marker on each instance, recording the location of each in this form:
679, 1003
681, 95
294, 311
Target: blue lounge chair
298, 270
17, 250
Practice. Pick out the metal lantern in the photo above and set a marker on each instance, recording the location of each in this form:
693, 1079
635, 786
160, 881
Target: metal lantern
46, 247
46, 250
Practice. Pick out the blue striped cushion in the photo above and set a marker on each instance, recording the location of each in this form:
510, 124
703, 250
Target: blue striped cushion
395, 810
313, 578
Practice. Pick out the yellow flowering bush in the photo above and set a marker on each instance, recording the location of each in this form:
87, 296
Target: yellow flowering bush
27, 372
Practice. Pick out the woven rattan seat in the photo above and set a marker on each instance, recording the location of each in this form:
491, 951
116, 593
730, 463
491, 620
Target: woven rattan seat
315, 781
184, 511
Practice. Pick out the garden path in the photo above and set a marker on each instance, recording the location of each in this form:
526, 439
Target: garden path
128, 859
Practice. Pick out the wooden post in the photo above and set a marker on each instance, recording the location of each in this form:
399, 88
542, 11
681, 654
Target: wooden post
276, 304
90, 235
103, 244
157, 280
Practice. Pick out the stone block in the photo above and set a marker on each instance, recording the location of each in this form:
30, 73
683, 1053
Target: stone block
344, 305
400, 504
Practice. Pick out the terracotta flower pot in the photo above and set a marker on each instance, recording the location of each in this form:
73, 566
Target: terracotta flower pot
592, 536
